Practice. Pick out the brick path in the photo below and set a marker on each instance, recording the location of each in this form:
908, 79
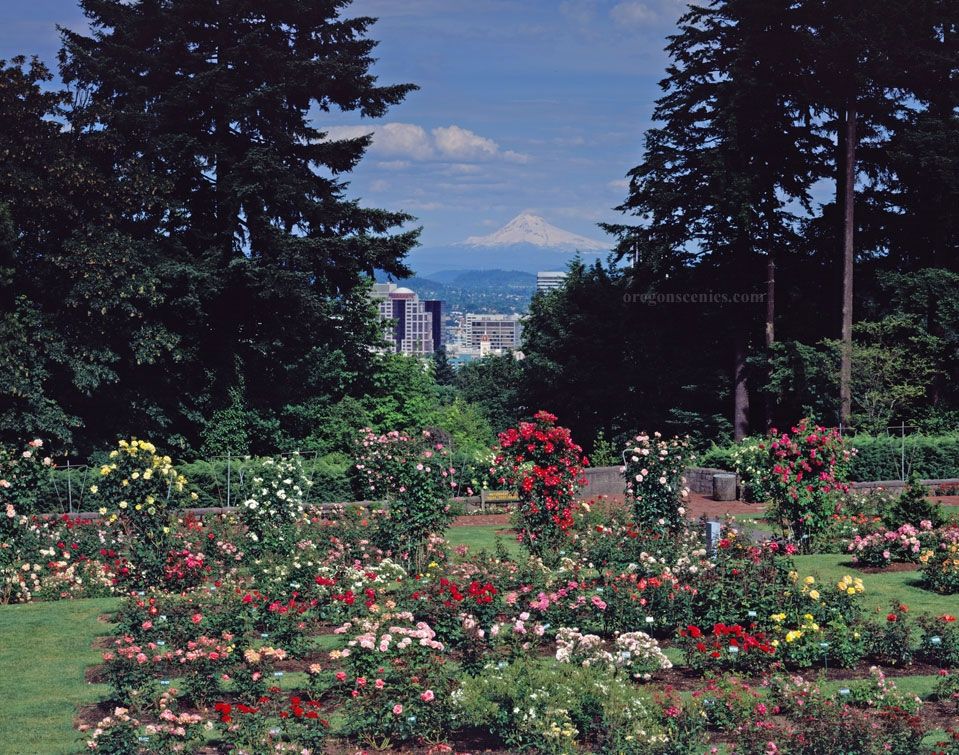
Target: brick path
696, 506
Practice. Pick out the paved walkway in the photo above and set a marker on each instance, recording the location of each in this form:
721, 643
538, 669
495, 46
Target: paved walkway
696, 506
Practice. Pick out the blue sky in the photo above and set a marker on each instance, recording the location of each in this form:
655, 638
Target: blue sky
525, 105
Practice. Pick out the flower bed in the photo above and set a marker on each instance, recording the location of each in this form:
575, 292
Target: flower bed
318, 636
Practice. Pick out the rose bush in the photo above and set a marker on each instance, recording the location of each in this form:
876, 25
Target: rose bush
541, 461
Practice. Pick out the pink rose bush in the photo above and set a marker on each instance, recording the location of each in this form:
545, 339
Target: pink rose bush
806, 471
880, 549
655, 486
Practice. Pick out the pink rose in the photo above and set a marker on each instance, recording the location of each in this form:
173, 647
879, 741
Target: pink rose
427, 696
397, 709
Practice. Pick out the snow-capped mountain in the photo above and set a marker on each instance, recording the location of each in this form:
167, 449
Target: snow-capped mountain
526, 228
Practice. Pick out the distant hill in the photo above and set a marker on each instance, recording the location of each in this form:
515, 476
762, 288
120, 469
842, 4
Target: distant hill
485, 278
429, 262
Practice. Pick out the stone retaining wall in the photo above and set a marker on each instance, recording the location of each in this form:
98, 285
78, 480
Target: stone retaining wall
700, 479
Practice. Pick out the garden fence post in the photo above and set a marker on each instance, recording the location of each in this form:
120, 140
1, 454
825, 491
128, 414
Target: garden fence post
713, 530
902, 453
69, 489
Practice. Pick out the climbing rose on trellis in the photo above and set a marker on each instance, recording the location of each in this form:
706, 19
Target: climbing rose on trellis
807, 470
543, 463
655, 486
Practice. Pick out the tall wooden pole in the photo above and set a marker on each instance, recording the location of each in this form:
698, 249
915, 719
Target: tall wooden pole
849, 196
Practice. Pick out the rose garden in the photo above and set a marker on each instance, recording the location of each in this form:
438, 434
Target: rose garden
586, 625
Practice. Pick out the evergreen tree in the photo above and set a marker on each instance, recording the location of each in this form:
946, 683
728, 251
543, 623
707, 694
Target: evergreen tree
443, 372
734, 156
208, 107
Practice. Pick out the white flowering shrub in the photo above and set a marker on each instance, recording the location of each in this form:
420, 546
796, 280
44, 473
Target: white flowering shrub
750, 459
636, 653
655, 485
277, 501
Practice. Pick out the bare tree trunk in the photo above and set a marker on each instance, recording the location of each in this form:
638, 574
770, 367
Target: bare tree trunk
849, 196
740, 390
770, 327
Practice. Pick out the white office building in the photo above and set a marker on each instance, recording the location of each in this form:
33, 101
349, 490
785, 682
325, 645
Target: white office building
412, 326
550, 279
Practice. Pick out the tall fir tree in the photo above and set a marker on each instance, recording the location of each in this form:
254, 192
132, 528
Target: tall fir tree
722, 177
211, 107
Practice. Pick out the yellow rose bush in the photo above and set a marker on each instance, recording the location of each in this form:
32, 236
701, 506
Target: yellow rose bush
134, 492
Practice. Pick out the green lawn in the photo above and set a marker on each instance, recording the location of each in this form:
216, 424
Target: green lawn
881, 588
481, 537
44, 649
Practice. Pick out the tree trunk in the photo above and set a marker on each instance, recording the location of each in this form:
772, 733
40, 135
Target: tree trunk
740, 390
849, 196
770, 325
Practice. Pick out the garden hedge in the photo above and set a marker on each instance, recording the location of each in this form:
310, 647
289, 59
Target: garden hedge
879, 457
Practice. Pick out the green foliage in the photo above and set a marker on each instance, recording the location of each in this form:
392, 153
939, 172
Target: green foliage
879, 457
403, 395
492, 383
144, 267
913, 506
556, 709
605, 453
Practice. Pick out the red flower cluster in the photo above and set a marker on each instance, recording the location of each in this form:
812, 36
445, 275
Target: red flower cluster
544, 464
450, 593
724, 637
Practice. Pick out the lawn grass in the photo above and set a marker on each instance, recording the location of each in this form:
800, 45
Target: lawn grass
881, 588
481, 537
44, 649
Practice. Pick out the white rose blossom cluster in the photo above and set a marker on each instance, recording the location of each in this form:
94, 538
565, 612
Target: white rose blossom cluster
636, 653
653, 470
278, 496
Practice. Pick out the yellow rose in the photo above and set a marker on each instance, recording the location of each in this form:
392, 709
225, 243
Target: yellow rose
123, 504
809, 580
94, 489
814, 594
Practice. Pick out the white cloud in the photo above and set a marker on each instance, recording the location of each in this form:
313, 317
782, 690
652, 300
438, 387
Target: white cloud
379, 185
394, 164
638, 12
619, 183
580, 11
463, 144
390, 139
407, 140
632, 13
403, 139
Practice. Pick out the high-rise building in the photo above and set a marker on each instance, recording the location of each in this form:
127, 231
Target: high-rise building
497, 332
550, 279
412, 326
